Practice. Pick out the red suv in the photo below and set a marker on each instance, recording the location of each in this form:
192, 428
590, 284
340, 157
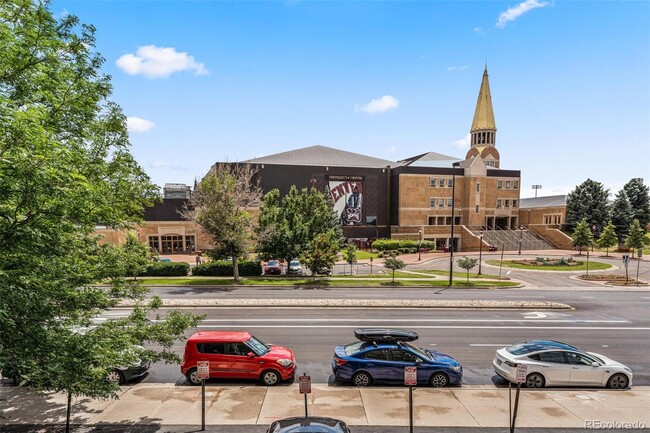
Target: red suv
237, 355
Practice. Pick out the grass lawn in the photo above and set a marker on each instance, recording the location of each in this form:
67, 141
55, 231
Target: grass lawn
365, 255
593, 266
472, 274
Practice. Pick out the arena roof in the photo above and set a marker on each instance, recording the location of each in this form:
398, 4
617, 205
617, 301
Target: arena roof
322, 156
548, 201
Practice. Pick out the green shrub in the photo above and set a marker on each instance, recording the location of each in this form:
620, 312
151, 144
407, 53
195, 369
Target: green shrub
380, 255
385, 244
408, 243
224, 269
429, 244
166, 269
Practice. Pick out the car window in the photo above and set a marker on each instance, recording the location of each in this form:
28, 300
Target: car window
379, 354
579, 359
403, 356
554, 357
258, 346
238, 349
213, 348
534, 357
423, 354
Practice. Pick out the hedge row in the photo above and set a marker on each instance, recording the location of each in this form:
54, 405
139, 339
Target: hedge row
225, 269
166, 269
394, 244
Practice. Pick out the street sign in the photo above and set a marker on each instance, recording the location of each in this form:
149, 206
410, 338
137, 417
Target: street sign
410, 376
203, 369
304, 384
522, 371
626, 259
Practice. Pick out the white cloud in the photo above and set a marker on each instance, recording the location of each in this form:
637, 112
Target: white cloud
457, 68
137, 124
516, 11
159, 62
464, 142
379, 105
478, 29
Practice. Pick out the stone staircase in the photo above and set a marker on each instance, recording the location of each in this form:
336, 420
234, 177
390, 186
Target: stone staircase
508, 239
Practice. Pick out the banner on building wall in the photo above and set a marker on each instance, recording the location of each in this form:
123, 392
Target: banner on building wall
347, 195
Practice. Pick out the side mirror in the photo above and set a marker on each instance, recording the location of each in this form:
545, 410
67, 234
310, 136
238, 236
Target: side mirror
250, 355
595, 364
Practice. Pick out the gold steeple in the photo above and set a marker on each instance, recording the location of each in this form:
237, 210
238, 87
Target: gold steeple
484, 129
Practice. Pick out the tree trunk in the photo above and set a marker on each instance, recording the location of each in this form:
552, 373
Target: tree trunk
235, 269
67, 418
393, 275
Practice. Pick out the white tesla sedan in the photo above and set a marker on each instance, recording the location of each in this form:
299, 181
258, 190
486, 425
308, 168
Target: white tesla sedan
553, 363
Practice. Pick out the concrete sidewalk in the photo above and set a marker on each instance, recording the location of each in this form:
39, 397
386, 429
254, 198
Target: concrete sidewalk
467, 406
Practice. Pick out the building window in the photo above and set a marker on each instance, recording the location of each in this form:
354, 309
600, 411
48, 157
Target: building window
499, 184
514, 203
172, 244
441, 221
450, 183
190, 245
477, 208
515, 184
507, 203
498, 203
432, 221
507, 184
478, 187
449, 202
153, 243
441, 182
432, 202
441, 202
432, 182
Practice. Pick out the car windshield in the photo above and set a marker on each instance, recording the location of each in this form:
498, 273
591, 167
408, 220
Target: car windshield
294, 263
538, 345
258, 346
419, 351
272, 263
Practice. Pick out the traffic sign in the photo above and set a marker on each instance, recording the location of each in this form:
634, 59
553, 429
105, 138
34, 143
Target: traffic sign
304, 384
522, 371
626, 259
410, 376
203, 369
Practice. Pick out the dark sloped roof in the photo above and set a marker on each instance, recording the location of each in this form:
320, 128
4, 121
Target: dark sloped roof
548, 201
322, 156
429, 159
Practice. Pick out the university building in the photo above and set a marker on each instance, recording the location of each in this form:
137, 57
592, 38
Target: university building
426, 196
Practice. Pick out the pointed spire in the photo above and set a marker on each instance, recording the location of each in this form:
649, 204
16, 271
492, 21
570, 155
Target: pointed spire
483, 115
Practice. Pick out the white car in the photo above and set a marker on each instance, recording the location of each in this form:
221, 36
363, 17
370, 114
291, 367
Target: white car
551, 363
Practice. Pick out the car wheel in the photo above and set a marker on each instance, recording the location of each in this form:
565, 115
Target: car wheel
362, 379
439, 380
618, 381
115, 376
535, 380
270, 378
193, 377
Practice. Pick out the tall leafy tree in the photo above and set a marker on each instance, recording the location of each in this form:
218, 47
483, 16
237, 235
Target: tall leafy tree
621, 215
639, 196
582, 236
589, 201
221, 205
65, 167
607, 238
288, 225
321, 252
636, 238
350, 254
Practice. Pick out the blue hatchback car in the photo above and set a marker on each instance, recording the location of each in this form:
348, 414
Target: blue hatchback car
381, 355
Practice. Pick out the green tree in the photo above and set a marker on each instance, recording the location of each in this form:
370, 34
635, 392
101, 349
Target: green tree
322, 252
621, 214
350, 254
587, 201
393, 263
582, 236
636, 238
287, 226
221, 206
467, 263
65, 167
607, 238
639, 196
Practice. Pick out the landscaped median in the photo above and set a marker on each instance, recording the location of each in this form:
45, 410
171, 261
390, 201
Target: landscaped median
362, 303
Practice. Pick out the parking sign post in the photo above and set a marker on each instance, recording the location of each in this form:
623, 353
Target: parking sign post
522, 370
410, 379
626, 260
203, 372
304, 385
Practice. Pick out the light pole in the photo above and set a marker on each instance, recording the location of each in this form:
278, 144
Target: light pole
453, 215
593, 235
420, 245
480, 252
521, 233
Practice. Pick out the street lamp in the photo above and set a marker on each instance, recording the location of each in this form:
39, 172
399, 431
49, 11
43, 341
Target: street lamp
593, 235
453, 215
521, 233
420, 245
480, 252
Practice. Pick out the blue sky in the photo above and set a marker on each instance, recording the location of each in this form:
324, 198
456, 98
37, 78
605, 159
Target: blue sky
207, 81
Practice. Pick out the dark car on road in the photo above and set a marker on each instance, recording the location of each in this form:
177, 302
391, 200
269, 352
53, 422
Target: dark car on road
313, 424
381, 355
272, 267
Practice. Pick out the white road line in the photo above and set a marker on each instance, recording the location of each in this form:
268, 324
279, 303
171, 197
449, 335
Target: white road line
418, 320
605, 345
588, 297
585, 328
